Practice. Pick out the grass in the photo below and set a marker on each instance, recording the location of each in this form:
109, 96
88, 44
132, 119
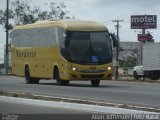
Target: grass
15, 95
1, 92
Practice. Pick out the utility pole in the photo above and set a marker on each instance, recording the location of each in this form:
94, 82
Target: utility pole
117, 48
142, 43
7, 30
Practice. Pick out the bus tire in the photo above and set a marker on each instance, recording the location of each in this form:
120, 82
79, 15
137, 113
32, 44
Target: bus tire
35, 80
95, 83
28, 78
27, 75
65, 82
57, 77
60, 81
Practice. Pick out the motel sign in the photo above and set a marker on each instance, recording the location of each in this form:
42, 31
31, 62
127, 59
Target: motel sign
143, 22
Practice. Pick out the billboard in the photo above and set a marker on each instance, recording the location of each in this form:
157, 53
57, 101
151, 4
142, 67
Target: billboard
143, 22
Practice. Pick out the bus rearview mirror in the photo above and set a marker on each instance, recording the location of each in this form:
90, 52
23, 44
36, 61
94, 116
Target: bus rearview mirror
114, 40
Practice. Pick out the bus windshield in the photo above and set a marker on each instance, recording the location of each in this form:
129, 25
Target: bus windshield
89, 47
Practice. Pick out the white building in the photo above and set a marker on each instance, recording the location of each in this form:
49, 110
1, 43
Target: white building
130, 50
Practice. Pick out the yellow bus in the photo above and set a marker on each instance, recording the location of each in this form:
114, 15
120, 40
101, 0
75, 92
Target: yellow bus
62, 50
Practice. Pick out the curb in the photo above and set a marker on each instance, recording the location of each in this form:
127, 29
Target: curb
79, 101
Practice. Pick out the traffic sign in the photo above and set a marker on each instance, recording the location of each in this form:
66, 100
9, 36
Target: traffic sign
145, 37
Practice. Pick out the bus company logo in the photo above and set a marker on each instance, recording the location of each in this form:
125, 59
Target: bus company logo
26, 54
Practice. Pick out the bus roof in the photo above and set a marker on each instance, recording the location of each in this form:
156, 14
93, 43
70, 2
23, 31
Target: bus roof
67, 25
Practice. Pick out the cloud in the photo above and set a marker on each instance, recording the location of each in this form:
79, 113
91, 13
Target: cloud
139, 3
2, 4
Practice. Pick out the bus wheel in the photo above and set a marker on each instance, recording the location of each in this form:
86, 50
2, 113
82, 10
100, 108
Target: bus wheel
57, 77
95, 83
65, 82
35, 80
60, 81
27, 75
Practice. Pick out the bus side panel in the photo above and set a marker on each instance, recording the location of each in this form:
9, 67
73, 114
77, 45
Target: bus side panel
17, 64
40, 61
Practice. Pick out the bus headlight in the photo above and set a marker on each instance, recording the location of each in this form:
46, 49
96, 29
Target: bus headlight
109, 68
73, 68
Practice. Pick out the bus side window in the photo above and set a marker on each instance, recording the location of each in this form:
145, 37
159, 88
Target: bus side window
62, 42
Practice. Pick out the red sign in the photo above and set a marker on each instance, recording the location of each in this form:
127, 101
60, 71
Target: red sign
143, 22
145, 37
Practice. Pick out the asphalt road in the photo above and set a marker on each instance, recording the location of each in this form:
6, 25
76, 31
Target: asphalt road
16, 108
18, 111
134, 93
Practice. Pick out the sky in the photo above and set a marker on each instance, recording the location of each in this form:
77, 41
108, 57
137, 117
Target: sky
103, 11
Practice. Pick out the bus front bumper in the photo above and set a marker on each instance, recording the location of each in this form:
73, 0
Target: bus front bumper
76, 75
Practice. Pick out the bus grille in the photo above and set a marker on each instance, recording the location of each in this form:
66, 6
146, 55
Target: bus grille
92, 76
92, 71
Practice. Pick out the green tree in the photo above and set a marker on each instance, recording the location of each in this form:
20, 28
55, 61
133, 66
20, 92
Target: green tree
21, 12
